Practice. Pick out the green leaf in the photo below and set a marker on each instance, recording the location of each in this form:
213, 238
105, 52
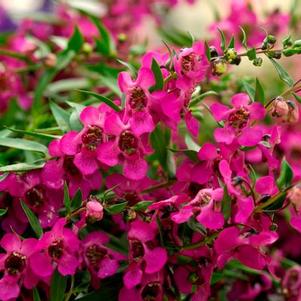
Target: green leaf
244, 38
208, 54
142, 206
63, 59
158, 77
259, 92
251, 53
276, 202
67, 201
76, 41
160, 139
249, 89
284, 76
105, 44
104, 99
24, 145
36, 295
61, 117
196, 100
3, 211
76, 200
33, 220
223, 39
286, 175
34, 134
226, 204
116, 208
21, 167
297, 97
58, 287
231, 43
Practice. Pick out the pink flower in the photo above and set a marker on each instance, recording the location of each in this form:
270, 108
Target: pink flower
138, 98
94, 210
230, 244
238, 121
15, 264
142, 257
126, 147
100, 260
57, 248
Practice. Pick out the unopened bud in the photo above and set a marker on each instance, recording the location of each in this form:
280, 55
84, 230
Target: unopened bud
87, 48
122, 37
213, 52
94, 210
257, 62
294, 195
219, 66
285, 110
230, 55
50, 60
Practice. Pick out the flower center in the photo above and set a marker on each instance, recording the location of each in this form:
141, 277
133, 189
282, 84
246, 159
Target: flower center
70, 166
138, 99
35, 196
15, 263
93, 137
95, 254
137, 249
239, 118
188, 62
128, 143
56, 249
131, 197
151, 291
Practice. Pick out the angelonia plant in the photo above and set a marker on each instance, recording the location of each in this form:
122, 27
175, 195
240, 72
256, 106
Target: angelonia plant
135, 173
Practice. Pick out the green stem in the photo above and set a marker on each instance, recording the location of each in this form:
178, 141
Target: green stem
70, 293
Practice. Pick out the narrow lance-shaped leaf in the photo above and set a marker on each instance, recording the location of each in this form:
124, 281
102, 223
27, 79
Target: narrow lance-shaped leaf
259, 92
284, 76
223, 39
24, 144
286, 175
117, 208
33, 220
159, 81
61, 116
21, 167
104, 99
67, 201
58, 287
76, 41
3, 211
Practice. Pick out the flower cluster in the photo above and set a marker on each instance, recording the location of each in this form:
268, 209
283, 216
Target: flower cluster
170, 183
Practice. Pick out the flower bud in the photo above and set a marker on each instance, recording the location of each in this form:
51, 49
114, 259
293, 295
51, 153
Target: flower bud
257, 62
50, 60
219, 66
87, 48
294, 195
94, 210
230, 54
122, 37
280, 108
213, 52
285, 110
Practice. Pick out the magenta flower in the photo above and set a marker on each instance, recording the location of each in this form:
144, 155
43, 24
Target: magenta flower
137, 110
238, 121
57, 248
127, 148
75, 178
191, 63
127, 189
15, 264
101, 261
231, 245
151, 288
144, 255
205, 207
